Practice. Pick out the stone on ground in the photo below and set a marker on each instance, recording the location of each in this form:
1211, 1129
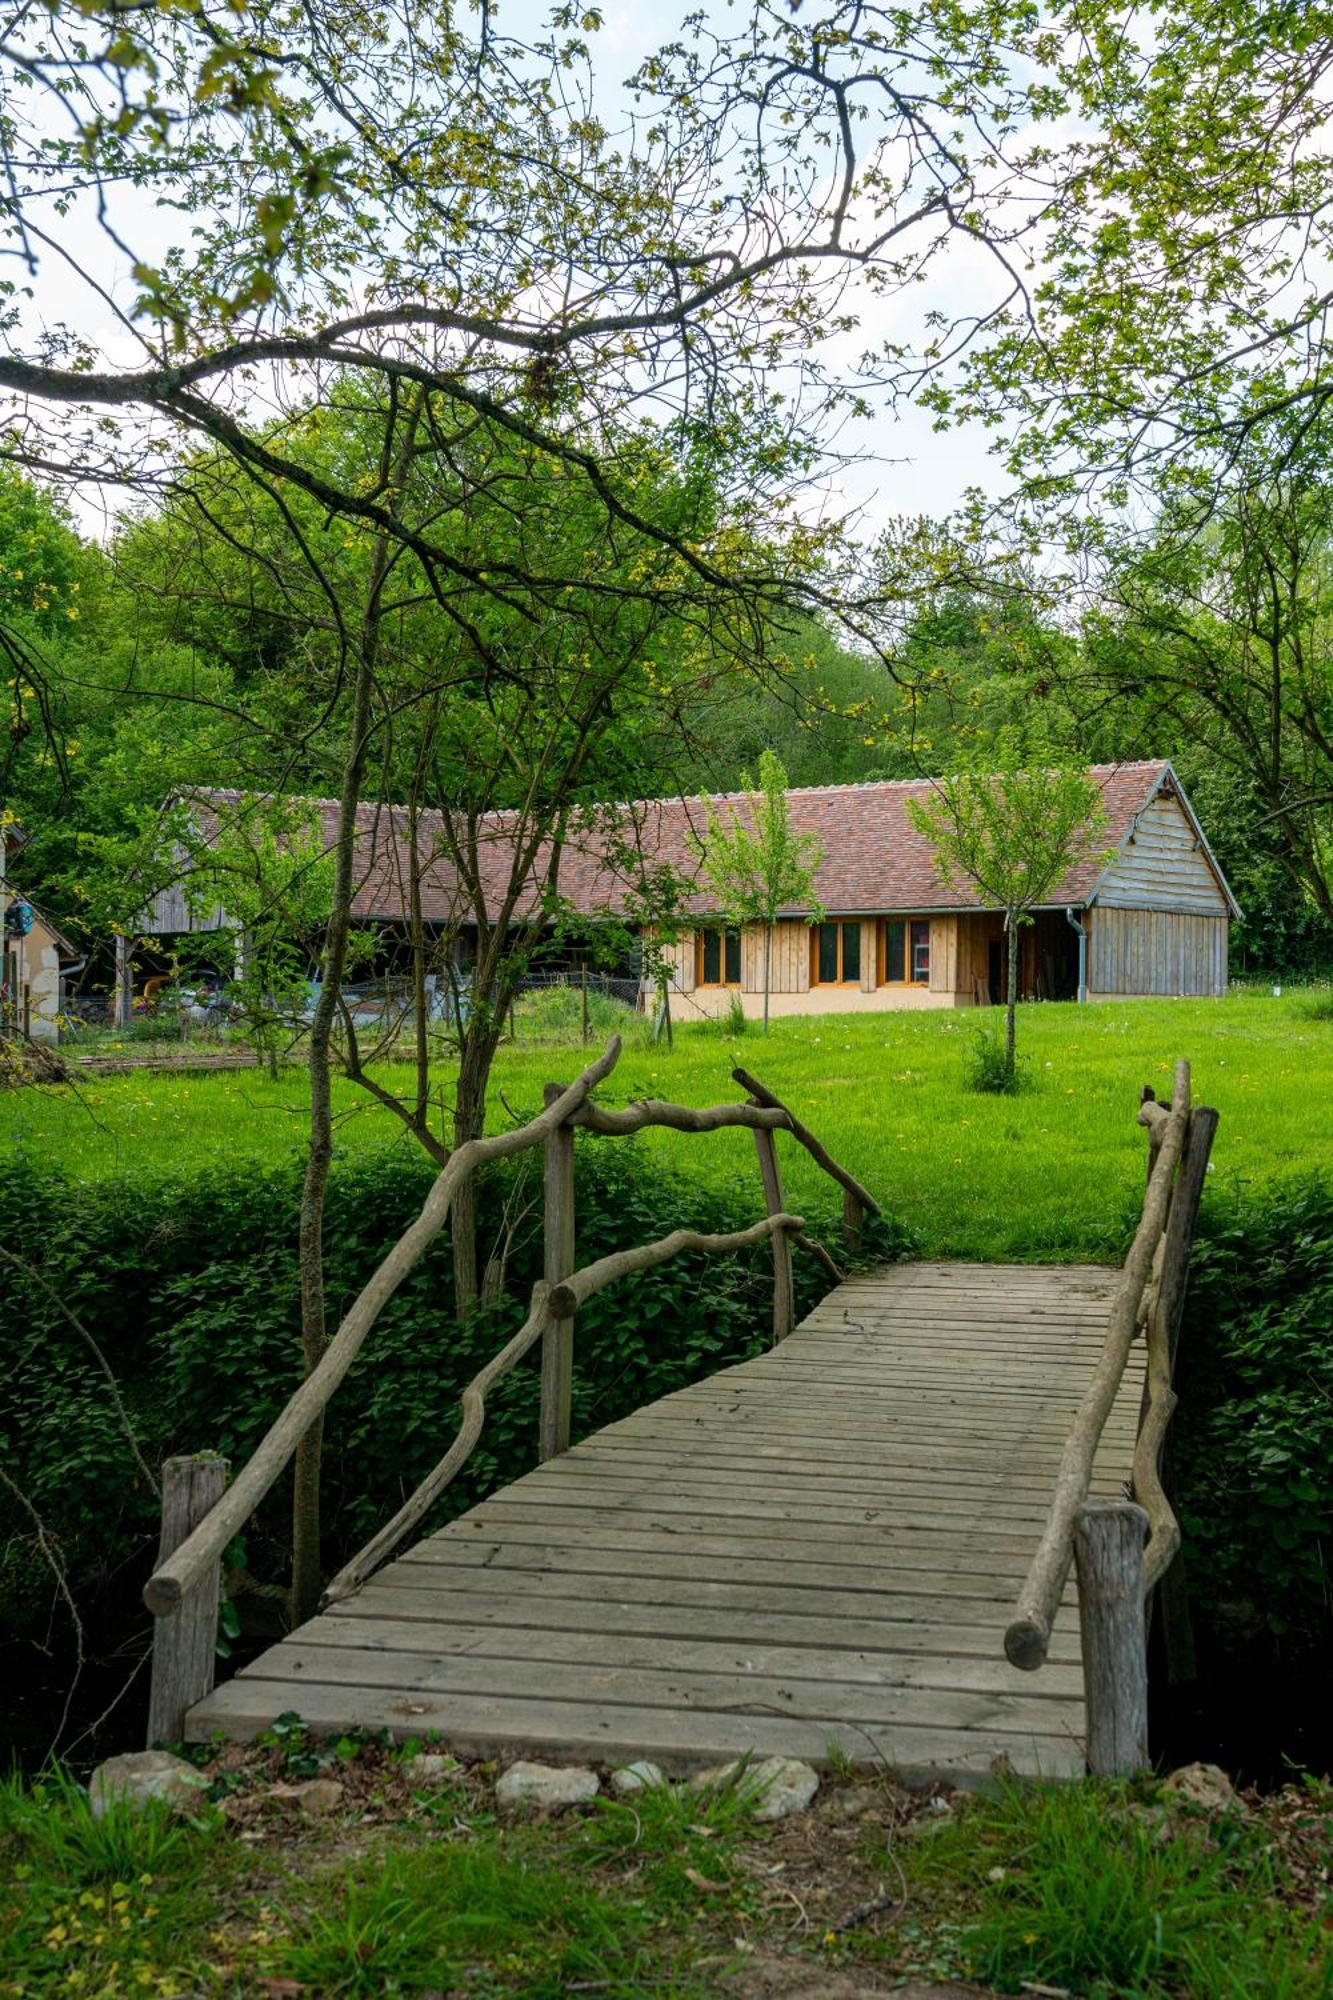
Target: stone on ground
430, 1767
641, 1776
545, 1787
778, 1786
137, 1776
1204, 1785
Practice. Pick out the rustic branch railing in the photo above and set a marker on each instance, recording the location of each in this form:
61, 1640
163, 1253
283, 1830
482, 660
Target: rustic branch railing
1106, 1540
191, 1567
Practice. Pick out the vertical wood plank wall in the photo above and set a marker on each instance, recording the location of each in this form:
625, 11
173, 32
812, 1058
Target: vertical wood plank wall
1166, 952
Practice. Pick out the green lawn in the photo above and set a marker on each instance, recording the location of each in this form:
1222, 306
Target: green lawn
1052, 1173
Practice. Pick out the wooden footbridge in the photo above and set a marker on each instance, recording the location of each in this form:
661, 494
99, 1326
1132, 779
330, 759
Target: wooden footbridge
855, 1543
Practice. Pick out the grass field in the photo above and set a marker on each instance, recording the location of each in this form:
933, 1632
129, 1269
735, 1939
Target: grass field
1052, 1173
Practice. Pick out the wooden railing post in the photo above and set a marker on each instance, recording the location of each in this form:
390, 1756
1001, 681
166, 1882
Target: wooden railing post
853, 1220
1109, 1537
557, 1389
784, 1289
185, 1640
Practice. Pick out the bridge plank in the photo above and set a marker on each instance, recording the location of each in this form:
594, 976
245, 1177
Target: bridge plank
812, 1551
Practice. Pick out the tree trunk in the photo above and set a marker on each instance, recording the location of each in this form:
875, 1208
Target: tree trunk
768, 967
1011, 1001
307, 1581
479, 1043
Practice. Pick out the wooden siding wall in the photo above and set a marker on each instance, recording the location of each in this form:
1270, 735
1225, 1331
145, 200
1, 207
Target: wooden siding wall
944, 954
1163, 867
1168, 952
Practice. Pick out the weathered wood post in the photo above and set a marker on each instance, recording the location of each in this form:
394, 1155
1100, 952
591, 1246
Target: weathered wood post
1171, 1595
784, 1290
557, 1263
122, 1006
1109, 1537
185, 1640
853, 1220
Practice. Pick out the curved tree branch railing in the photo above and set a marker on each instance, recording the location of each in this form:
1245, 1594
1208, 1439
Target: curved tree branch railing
192, 1565
1106, 1539
549, 1303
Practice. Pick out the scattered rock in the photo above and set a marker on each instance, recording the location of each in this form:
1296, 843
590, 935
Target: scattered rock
430, 1767
641, 1776
312, 1795
318, 1795
1204, 1785
545, 1787
140, 1775
850, 1802
779, 1786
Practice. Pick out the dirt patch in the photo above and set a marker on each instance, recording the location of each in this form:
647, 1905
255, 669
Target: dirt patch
763, 1977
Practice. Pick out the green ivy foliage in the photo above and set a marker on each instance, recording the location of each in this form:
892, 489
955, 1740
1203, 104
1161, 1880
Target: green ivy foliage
190, 1288
1253, 1435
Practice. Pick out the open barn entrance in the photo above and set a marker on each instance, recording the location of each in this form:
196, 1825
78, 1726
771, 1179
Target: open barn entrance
1047, 960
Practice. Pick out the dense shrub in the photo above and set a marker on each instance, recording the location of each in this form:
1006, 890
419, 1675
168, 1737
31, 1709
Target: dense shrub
189, 1287
1253, 1436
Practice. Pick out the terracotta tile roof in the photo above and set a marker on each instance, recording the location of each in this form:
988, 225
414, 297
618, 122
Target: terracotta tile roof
874, 858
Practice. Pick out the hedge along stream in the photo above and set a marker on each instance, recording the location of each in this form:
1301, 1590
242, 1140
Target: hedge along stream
190, 1288
189, 1285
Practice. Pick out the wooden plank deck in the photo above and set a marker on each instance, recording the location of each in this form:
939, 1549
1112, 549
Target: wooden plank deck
817, 1548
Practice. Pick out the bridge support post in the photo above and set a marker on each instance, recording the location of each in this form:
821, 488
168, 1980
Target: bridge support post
1109, 1538
185, 1640
784, 1287
557, 1391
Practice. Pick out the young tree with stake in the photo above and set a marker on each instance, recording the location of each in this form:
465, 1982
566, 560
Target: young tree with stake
1012, 835
759, 869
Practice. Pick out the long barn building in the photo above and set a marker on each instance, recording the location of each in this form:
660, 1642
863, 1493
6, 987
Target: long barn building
1151, 920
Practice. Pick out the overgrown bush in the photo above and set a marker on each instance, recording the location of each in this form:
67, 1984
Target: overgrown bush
189, 1289
988, 1068
553, 1016
1253, 1436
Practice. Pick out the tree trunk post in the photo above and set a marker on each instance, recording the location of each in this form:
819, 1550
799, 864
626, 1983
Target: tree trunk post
852, 1221
185, 1641
557, 1388
1109, 1537
784, 1291
123, 1007
768, 969
1011, 1001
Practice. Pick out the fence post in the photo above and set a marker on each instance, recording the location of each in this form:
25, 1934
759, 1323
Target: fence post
853, 1218
784, 1292
557, 1263
583, 981
122, 1011
1109, 1537
185, 1640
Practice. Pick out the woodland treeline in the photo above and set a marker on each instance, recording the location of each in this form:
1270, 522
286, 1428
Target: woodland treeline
201, 644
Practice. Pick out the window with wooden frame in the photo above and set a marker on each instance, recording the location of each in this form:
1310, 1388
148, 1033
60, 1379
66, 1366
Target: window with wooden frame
717, 958
904, 951
835, 954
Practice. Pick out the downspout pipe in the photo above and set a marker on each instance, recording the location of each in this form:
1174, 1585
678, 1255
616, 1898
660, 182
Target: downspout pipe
1082, 930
